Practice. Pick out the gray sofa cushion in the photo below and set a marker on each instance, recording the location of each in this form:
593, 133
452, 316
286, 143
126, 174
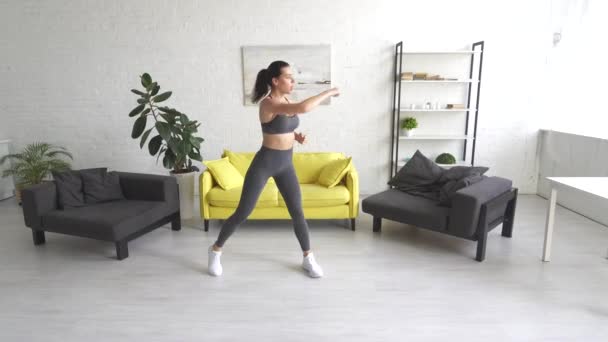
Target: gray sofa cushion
101, 186
399, 206
69, 187
109, 221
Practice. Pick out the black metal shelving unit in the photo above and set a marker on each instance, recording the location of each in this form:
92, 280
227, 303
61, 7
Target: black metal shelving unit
476, 49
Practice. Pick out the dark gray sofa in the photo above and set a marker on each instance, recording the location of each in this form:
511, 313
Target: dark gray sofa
475, 210
150, 202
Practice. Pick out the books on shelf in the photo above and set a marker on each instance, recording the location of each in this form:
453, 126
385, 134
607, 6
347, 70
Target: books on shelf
455, 106
407, 76
420, 75
434, 78
424, 76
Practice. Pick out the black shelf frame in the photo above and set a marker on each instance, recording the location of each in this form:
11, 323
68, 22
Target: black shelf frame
396, 117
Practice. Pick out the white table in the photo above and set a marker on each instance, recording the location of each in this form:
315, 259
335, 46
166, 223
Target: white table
597, 186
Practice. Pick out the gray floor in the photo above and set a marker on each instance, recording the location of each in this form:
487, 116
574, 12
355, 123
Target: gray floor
402, 284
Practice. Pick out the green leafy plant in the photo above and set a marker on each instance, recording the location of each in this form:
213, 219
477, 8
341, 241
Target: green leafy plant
174, 135
35, 163
445, 158
409, 123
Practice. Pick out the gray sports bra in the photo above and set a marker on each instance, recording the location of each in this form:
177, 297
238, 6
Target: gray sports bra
281, 123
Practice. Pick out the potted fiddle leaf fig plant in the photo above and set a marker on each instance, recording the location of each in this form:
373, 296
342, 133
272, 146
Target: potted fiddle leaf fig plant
34, 164
173, 136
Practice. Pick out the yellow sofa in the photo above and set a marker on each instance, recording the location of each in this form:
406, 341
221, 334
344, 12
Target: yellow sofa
318, 201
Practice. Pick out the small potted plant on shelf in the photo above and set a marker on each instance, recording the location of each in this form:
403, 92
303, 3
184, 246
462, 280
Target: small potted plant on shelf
173, 137
408, 125
34, 164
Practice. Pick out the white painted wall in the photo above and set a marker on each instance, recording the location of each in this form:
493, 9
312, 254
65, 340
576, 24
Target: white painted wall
576, 69
572, 155
67, 68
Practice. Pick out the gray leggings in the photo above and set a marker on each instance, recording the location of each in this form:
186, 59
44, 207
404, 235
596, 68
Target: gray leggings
267, 163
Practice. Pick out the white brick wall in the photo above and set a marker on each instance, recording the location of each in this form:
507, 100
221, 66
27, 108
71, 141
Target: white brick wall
67, 68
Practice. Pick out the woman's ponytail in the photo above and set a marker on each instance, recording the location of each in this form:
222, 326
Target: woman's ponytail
262, 84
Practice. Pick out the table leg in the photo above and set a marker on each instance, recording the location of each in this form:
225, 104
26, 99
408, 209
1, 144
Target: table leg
549, 226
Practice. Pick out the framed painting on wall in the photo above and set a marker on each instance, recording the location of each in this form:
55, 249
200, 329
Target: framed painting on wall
310, 65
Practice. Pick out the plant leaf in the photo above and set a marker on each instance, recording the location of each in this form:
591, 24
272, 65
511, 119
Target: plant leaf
168, 110
144, 137
137, 110
135, 91
164, 130
139, 126
146, 80
162, 149
169, 118
155, 89
169, 159
162, 97
154, 144
173, 144
195, 155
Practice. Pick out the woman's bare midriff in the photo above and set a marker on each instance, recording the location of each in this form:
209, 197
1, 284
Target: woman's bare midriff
279, 141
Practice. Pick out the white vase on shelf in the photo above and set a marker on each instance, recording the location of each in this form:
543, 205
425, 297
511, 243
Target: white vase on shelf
408, 132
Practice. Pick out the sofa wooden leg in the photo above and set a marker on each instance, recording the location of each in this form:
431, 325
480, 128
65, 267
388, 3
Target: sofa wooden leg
38, 236
352, 224
122, 250
176, 223
481, 250
377, 224
206, 222
481, 246
507, 225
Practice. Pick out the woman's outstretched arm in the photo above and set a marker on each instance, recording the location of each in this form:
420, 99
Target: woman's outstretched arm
305, 106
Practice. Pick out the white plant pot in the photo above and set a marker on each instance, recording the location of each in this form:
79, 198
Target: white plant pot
186, 193
408, 132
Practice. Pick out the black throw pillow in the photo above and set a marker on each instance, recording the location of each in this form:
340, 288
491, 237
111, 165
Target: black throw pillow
448, 190
460, 172
418, 171
101, 186
69, 189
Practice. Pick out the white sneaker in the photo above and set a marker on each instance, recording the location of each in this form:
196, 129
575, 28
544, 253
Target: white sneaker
214, 265
310, 264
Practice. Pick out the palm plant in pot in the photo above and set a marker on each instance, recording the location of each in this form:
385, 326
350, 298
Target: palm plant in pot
172, 136
34, 164
408, 125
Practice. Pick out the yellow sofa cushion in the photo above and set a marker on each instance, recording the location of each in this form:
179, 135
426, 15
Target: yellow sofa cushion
315, 195
308, 165
224, 173
334, 171
230, 198
242, 161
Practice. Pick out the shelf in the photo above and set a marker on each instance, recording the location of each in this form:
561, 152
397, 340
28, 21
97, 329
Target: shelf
436, 110
439, 81
436, 137
455, 75
464, 52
